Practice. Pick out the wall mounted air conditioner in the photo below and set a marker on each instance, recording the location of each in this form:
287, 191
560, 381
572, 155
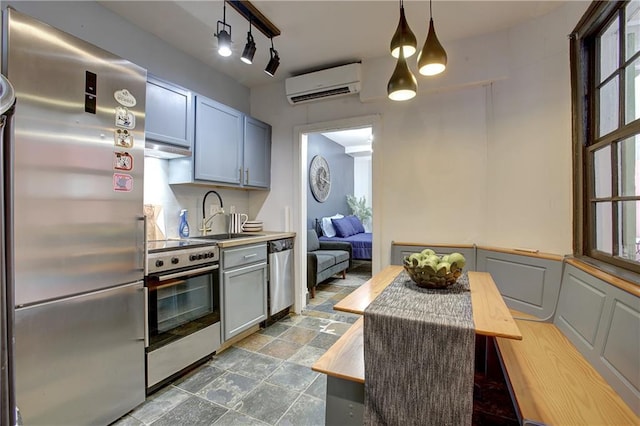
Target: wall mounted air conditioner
328, 83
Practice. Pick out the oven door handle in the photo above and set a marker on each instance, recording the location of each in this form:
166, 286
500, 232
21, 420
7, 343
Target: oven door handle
187, 273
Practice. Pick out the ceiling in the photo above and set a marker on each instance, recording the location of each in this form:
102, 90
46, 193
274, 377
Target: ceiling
316, 34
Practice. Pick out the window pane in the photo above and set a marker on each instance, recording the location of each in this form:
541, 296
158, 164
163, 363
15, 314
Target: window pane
632, 91
629, 238
609, 46
602, 172
609, 107
632, 28
629, 167
604, 239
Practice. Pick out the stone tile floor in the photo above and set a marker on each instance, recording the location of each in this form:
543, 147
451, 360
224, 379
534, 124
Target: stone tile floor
264, 379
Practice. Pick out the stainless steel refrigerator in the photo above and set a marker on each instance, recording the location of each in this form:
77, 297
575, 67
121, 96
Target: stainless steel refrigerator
76, 215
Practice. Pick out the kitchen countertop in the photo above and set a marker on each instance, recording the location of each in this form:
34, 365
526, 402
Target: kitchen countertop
264, 237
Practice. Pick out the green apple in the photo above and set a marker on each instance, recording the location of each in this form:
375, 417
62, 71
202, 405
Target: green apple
427, 252
443, 268
458, 259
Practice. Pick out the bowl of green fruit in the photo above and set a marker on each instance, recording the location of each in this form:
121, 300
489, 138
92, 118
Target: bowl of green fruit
428, 270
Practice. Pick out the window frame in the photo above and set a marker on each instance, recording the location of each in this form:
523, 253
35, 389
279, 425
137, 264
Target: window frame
584, 59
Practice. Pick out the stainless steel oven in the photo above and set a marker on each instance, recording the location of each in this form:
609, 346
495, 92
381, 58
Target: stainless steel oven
182, 307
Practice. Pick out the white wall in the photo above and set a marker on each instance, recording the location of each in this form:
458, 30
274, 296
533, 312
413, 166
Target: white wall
482, 154
362, 182
173, 198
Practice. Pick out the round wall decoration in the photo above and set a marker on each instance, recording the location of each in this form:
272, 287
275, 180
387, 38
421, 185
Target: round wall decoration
320, 178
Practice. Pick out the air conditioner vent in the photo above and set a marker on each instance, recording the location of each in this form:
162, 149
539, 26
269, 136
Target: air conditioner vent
327, 83
318, 95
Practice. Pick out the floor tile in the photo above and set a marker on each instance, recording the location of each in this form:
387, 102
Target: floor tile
233, 418
291, 319
306, 411
275, 330
281, 349
292, 376
323, 341
197, 379
332, 288
337, 328
127, 421
307, 356
194, 411
318, 388
325, 307
225, 359
317, 314
254, 342
345, 317
298, 335
313, 323
159, 404
267, 402
228, 389
256, 365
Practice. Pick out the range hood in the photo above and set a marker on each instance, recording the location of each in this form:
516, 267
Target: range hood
165, 151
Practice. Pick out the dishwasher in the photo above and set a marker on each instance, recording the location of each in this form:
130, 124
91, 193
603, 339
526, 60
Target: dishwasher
281, 292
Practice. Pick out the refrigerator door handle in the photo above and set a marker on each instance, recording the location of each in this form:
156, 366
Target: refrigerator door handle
146, 316
143, 244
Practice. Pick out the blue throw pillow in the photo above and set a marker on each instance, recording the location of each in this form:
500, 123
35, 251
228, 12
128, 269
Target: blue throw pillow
356, 223
343, 227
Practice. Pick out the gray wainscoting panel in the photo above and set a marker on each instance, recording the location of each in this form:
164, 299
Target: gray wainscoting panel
398, 253
620, 350
528, 284
580, 307
615, 353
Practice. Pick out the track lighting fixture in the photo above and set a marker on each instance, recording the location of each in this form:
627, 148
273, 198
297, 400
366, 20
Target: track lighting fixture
274, 62
249, 48
224, 37
403, 85
432, 59
403, 37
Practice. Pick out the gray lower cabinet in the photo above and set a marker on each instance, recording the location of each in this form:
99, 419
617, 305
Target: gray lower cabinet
244, 288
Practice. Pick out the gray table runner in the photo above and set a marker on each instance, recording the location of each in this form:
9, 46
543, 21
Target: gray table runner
419, 347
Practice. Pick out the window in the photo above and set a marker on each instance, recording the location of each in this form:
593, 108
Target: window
605, 67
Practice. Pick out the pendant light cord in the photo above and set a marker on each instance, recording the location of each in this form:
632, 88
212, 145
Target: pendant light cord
430, 11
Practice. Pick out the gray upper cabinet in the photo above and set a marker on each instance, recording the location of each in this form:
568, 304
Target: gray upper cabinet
218, 143
257, 153
169, 113
229, 149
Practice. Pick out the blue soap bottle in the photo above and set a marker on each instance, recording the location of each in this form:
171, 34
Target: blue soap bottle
183, 229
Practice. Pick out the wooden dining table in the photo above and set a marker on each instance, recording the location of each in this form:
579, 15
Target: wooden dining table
343, 363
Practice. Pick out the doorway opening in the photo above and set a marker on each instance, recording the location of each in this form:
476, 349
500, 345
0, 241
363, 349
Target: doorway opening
341, 184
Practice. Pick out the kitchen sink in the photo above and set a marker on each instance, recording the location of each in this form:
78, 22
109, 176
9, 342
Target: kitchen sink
226, 236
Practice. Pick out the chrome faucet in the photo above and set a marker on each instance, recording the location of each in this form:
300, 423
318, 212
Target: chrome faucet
205, 220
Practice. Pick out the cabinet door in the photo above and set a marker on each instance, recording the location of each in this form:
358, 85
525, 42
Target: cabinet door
244, 297
257, 153
169, 113
218, 142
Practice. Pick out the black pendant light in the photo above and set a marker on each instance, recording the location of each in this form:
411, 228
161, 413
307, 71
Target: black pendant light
224, 37
403, 37
274, 62
249, 48
403, 85
432, 59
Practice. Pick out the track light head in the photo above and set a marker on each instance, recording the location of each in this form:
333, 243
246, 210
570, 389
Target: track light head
274, 62
249, 50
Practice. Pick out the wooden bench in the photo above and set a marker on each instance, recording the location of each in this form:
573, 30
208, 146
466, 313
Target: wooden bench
552, 383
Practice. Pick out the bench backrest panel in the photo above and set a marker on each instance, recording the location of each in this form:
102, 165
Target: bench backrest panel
603, 323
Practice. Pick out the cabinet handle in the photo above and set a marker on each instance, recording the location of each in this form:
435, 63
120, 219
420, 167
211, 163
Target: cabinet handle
247, 182
240, 174
247, 256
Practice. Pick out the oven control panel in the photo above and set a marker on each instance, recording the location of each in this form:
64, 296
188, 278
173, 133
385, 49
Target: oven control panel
163, 261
